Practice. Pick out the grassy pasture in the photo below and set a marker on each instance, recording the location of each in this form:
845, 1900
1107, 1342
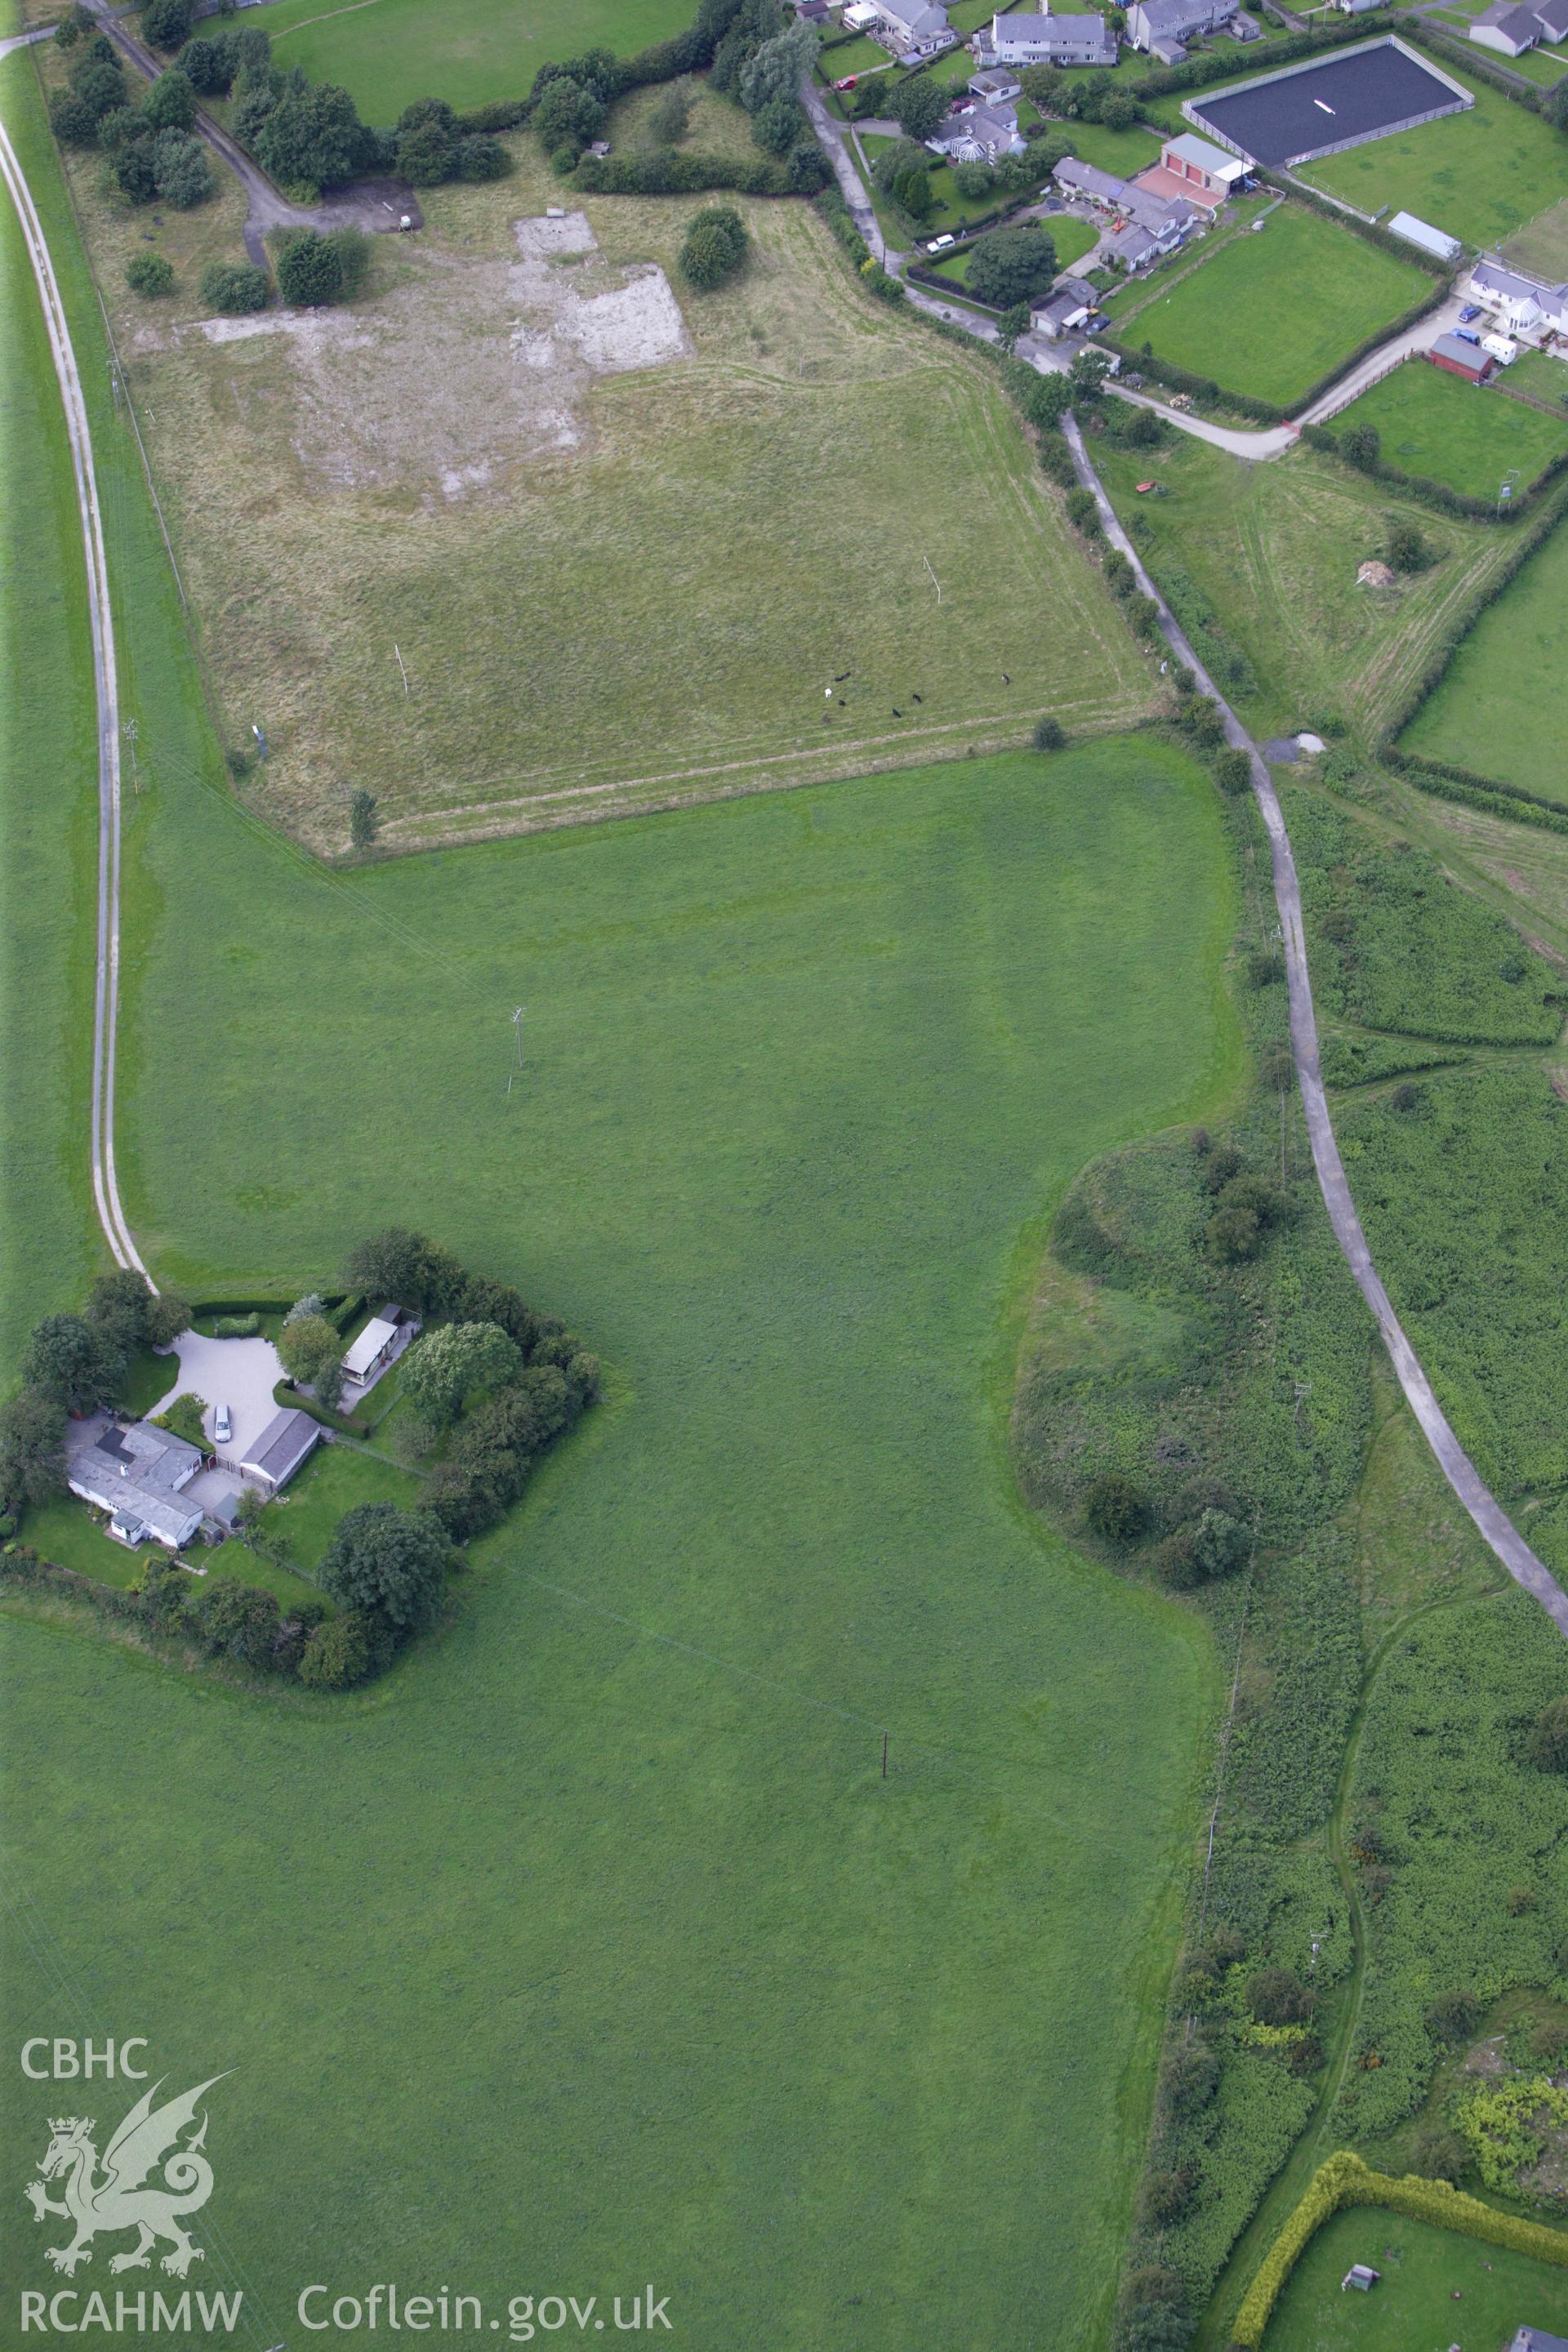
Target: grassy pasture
1422, 2267
607, 590
1503, 703
616, 1870
1269, 313
337, 1478
1434, 424
1480, 175
1542, 247
387, 53
1275, 548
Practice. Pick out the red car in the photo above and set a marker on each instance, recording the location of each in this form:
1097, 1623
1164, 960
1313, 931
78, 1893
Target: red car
848, 83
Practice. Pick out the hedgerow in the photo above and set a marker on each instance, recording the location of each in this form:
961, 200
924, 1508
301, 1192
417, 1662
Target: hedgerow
1345, 2179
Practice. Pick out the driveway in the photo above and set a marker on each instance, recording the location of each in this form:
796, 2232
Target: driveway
240, 1374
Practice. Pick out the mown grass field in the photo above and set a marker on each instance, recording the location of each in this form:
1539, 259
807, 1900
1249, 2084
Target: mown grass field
1503, 703
1273, 550
1468, 435
602, 1923
1543, 246
1272, 312
1479, 175
1422, 2268
606, 590
389, 52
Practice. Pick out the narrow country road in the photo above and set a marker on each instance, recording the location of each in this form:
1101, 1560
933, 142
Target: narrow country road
371, 204
1498, 1529
106, 986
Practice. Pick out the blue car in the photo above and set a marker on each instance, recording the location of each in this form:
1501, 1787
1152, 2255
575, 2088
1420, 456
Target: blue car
1472, 310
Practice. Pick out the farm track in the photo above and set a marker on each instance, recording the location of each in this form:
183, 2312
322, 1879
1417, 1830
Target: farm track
106, 984
1497, 1529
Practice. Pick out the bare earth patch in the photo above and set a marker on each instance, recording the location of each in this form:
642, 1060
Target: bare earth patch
468, 365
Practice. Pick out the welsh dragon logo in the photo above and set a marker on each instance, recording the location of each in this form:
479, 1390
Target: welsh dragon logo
117, 2199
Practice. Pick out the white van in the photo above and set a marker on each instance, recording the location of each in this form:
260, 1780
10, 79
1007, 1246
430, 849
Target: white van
1503, 349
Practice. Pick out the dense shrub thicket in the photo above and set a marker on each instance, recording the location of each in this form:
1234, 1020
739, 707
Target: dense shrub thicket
1395, 945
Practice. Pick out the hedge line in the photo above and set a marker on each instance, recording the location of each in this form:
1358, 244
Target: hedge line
669, 174
1345, 2179
1385, 242
1438, 494
1532, 537
1472, 790
1268, 412
289, 1398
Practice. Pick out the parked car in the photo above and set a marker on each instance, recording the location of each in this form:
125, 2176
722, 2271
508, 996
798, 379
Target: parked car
848, 83
940, 244
223, 1428
1467, 335
1472, 310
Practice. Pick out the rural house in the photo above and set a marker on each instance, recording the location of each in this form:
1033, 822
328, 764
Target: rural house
136, 1473
917, 28
1459, 358
1047, 40
1165, 220
1524, 304
977, 135
1551, 15
1180, 21
999, 87
1507, 26
1536, 2340
1070, 307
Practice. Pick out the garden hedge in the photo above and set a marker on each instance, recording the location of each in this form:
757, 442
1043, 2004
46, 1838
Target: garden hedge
1345, 2179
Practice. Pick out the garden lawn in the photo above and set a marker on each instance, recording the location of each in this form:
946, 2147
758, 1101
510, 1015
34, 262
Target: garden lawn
1478, 175
1272, 312
1434, 424
1122, 152
1072, 239
1414, 2306
386, 53
63, 1530
598, 1924
337, 1478
1501, 707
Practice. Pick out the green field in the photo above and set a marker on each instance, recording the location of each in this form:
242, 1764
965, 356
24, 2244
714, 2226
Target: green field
1272, 312
1415, 2306
601, 1923
1503, 703
1124, 153
1543, 246
336, 1478
608, 589
1478, 175
387, 53
1466, 434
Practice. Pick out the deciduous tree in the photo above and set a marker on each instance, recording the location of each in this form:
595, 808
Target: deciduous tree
391, 1565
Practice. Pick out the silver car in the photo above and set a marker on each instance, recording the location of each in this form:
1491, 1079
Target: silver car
223, 1429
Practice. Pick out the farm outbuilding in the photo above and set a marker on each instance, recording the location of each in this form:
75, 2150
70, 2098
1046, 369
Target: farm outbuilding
1435, 241
1459, 358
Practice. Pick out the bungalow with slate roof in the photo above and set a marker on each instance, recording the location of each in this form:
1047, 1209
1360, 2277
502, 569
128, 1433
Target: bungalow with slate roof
1551, 15
1507, 25
136, 1473
1525, 305
289, 1438
1536, 2340
917, 28
1000, 86
1163, 221
1047, 40
977, 135
1070, 307
1182, 21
